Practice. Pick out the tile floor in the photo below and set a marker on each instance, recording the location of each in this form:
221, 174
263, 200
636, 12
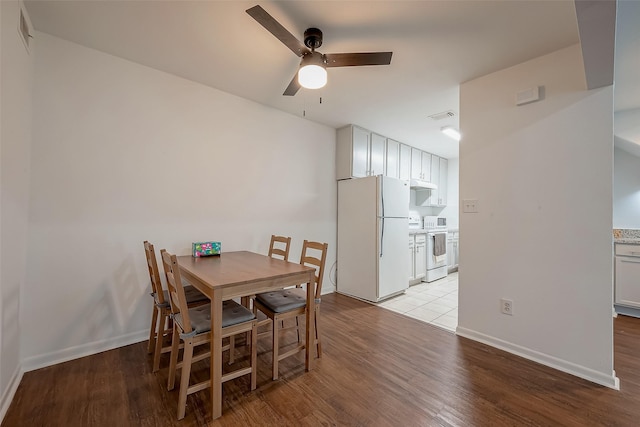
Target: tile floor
435, 303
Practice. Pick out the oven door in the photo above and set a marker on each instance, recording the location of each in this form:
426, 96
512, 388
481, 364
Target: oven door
436, 249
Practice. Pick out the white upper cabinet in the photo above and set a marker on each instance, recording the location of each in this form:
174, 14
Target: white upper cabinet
420, 164
442, 182
352, 152
361, 153
416, 163
405, 162
435, 179
439, 175
426, 166
392, 164
360, 141
377, 150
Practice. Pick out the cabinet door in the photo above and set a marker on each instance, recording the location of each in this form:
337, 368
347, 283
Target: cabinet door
456, 253
412, 260
435, 177
450, 255
416, 163
360, 167
425, 160
443, 180
627, 281
405, 162
378, 143
392, 161
421, 256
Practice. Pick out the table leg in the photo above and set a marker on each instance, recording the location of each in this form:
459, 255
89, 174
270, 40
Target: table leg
216, 355
310, 333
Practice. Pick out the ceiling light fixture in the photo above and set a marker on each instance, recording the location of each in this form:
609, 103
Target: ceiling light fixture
312, 73
451, 132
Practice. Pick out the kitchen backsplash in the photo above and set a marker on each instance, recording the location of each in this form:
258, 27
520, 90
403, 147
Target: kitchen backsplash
626, 233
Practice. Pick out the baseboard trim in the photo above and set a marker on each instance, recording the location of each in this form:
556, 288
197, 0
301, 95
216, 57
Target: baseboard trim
7, 396
76, 352
544, 359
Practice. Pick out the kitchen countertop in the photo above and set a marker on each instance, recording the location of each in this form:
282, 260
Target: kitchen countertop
626, 235
627, 240
413, 231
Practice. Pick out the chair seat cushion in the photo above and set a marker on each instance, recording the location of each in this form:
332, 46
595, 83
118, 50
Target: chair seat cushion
191, 294
232, 314
283, 300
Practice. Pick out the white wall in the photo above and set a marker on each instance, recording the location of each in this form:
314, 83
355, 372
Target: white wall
626, 190
16, 113
543, 176
123, 153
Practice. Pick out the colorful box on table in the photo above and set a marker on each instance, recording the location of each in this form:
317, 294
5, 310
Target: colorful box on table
205, 248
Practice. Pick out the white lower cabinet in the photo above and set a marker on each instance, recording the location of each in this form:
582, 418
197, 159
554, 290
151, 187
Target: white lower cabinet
627, 277
452, 250
418, 256
412, 259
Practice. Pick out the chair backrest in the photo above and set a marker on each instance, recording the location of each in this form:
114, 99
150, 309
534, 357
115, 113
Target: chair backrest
154, 273
177, 297
314, 254
275, 247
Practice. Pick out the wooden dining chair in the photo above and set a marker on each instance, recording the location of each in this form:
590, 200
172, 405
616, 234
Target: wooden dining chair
193, 327
279, 249
161, 308
276, 248
291, 303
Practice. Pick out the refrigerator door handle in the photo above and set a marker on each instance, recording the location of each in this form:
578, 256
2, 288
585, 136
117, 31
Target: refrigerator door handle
381, 235
382, 213
382, 197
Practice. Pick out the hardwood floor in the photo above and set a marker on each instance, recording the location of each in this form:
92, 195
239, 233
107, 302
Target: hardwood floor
379, 368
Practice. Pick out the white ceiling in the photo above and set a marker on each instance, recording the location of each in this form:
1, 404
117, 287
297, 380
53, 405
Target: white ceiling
436, 46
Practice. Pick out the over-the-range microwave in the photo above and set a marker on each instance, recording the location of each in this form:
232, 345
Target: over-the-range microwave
434, 222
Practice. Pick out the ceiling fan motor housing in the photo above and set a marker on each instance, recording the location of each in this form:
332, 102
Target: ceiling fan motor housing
313, 38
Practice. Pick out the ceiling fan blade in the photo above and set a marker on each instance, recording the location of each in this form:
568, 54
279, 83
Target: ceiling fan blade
357, 59
293, 87
274, 27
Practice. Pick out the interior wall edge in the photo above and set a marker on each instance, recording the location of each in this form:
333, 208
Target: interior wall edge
10, 391
64, 355
565, 366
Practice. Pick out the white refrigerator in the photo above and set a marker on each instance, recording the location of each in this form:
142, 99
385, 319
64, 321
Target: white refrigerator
373, 231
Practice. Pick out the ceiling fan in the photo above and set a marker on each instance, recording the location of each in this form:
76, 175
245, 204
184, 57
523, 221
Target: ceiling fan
312, 73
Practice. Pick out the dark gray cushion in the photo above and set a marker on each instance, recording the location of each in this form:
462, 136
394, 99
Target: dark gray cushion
190, 293
193, 295
283, 300
232, 314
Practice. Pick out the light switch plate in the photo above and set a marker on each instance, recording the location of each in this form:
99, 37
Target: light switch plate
470, 205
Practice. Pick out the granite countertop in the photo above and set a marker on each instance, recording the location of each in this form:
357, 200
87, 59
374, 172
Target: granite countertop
626, 235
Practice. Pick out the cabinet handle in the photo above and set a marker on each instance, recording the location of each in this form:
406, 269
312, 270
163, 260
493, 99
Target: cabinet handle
630, 260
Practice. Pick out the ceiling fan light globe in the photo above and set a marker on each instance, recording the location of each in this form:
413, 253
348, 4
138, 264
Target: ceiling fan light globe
312, 76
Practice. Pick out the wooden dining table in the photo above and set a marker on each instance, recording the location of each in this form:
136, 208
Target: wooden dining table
240, 274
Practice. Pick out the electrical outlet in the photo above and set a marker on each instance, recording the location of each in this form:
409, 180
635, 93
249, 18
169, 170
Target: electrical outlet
470, 205
506, 306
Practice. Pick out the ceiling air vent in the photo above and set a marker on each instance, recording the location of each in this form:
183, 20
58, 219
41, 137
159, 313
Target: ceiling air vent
443, 115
